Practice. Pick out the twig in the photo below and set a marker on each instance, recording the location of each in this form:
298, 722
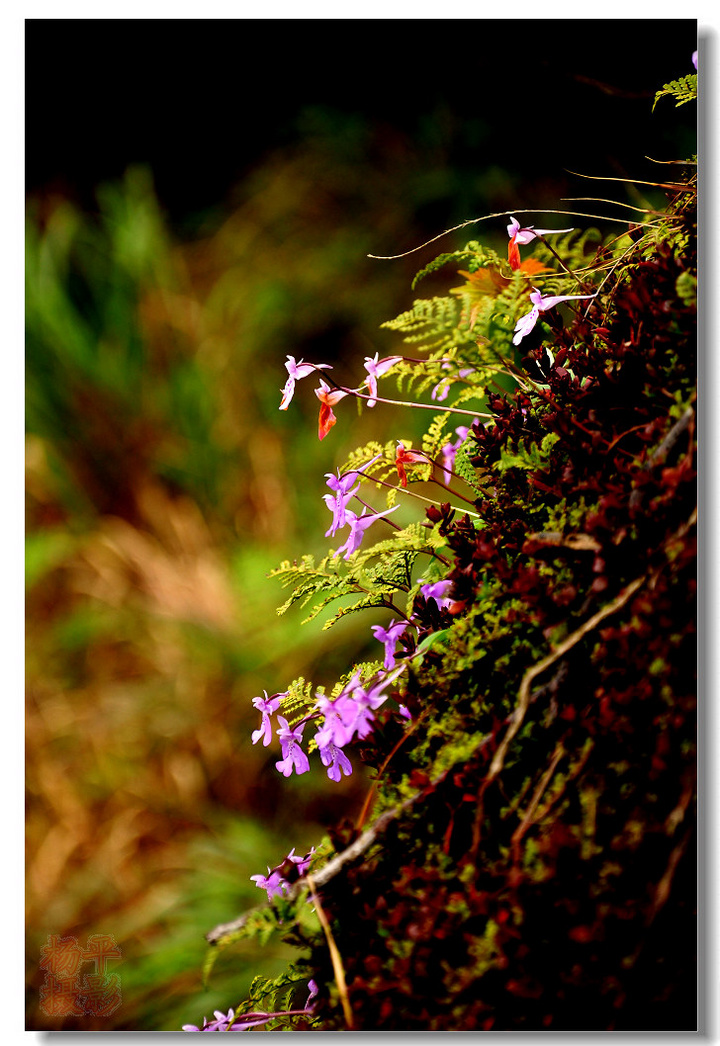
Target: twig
524, 693
327, 872
335, 956
501, 214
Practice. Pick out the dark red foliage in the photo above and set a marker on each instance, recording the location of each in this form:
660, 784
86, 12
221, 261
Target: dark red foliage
557, 890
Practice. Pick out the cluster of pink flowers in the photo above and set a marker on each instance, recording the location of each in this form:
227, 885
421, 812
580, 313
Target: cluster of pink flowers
329, 396
342, 719
339, 721
350, 715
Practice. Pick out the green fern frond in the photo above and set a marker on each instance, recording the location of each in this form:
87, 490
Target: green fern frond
435, 435
439, 262
476, 254
380, 471
311, 580
482, 255
464, 466
434, 322
299, 700
375, 599
682, 90
531, 458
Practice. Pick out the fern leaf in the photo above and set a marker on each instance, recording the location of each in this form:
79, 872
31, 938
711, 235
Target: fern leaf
531, 458
434, 436
375, 599
465, 469
682, 90
438, 263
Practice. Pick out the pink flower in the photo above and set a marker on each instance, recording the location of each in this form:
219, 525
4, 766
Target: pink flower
267, 706
273, 883
526, 323
302, 863
358, 526
328, 398
295, 372
336, 761
694, 58
340, 716
519, 235
450, 449
293, 756
343, 494
438, 590
389, 636
376, 370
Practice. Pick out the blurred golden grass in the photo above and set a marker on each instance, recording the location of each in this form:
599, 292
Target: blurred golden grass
162, 485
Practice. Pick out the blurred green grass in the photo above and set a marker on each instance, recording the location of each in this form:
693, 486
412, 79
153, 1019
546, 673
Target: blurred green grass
162, 486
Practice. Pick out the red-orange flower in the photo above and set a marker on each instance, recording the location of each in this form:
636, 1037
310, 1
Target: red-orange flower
406, 457
328, 398
519, 235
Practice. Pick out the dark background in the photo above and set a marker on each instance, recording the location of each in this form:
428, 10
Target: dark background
201, 101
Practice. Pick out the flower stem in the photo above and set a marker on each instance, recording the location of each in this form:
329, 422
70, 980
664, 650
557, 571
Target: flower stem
411, 493
420, 406
577, 279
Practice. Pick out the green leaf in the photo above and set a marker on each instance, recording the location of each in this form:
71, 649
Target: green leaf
682, 90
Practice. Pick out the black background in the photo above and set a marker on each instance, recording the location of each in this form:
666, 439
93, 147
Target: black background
201, 101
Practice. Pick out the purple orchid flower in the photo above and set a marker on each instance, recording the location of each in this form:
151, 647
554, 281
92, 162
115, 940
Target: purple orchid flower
694, 58
541, 304
313, 990
376, 368
343, 494
267, 706
295, 372
438, 590
389, 636
337, 503
518, 234
358, 526
219, 1024
273, 883
302, 863
293, 756
371, 699
340, 716
336, 761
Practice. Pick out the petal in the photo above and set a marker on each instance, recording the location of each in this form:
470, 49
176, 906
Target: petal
287, 394
525, 324
514, 254
551, 232
326, 420
554, 299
